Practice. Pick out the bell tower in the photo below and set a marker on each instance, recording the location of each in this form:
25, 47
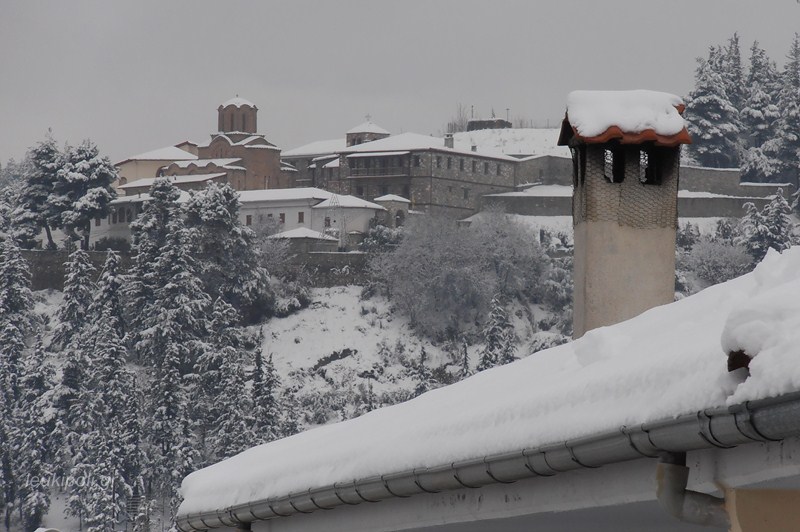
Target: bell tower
626, 153
237, 115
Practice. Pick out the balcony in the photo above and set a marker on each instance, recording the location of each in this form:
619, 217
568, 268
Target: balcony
380, 171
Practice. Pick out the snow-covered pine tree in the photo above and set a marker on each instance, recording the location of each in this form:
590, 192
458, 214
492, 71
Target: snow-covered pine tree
107, 298
266, 393
221, 412
777, 216
713, 120
34, 210
30, 435
421, 375
760, 110
114, 454
16, 299
82, 191
733, 72
228, 257
78, 290
788, 126
148, 234
754, 232
464, 369
495, 335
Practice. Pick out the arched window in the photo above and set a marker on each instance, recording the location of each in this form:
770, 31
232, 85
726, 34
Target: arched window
399, 218
129, 215
244, 122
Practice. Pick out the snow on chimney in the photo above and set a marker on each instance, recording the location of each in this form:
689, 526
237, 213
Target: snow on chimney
448, 140
626, 152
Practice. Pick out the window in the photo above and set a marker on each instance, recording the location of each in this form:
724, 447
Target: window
497, 171
282, 217
97, 222
614, 165
359, 191
269, 215
438, 161
461, 164
367, 162
474, 166
327, 221
417, 161
449, 189
301, 217
129, 215
113, 217
466, 193
650, 166
244, 121
406, 192
384, 190
248, 220
485, 168
449, 163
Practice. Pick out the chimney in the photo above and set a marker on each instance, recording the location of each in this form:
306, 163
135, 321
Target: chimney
625, 202
448, 140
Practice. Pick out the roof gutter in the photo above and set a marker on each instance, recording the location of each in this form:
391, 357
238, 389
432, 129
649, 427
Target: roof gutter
771, 419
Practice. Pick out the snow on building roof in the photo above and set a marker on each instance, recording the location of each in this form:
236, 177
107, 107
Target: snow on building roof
630, 116
238, 102
141, 197
510, 141
169, 153
320, 147
415, 141
200, 163
177, 179
368, 127
284, 194
288, 166
347, 202
539, 191
669, 361
392, 197
377, 154
334, 163
302, 232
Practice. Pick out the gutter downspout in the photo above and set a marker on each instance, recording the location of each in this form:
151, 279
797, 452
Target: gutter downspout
689, 506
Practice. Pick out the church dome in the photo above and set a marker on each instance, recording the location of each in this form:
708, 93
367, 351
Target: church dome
238, 102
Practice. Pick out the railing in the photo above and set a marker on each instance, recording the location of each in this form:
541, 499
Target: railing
379, 171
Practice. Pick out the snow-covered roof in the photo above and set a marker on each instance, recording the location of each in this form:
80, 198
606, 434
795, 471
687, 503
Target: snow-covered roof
288, 166
334, 163
631, 116
368, 127
284, 194
347, 202
320, 147
238, 102
302, 232
141, 197
392, 197
169, 153
669, 361
377, 154
177, 179
511, 141
539, 191
415, 141
200, 163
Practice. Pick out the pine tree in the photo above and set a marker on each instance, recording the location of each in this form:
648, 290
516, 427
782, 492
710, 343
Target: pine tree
34, 210
713, 120
16, 299
228, 258
31, 438
465, 370
107, 298
421, 375
220, 370
82, 191
788, 126
769, 228
78, 289
497, 336
149, 235
760, 112
733, 72
265, 399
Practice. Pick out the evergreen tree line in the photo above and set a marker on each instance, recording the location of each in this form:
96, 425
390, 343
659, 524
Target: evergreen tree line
55, 188
146, 376
747, 116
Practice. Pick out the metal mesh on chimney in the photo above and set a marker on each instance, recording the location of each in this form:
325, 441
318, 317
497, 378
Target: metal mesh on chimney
630, 202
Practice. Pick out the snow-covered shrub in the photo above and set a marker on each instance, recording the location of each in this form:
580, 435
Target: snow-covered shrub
381, 238
716, 262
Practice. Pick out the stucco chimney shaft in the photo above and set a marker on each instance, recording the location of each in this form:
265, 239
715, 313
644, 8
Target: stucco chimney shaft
448, 140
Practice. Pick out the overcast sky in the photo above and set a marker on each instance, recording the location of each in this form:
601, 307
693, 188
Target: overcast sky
135, 76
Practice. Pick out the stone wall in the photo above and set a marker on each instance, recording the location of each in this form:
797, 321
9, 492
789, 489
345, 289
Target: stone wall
48, 271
